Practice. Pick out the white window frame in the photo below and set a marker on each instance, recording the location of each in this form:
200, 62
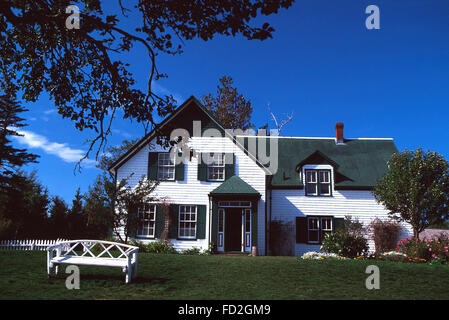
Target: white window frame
213, 165
165, 166
326, 230
151, 206
313, 230
320, 228
246, 241
195, 221
221, 229
234, 204
317, 169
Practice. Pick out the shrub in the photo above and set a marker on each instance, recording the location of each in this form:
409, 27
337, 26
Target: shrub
159, 247
430, 250
192, 251
385, 234
140, 245
345, 244
354, 226
414, 247
281, 238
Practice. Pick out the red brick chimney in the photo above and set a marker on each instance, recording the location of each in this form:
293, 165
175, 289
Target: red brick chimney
339, 132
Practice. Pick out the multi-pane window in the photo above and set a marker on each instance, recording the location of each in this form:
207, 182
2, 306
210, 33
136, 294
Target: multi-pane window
314, 230
235, 204
147, 218
317, 227
187, 222
216, 167
318, 182
166, 166
326, 227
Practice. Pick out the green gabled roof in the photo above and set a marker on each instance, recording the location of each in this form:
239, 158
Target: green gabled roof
358, 163
235, 186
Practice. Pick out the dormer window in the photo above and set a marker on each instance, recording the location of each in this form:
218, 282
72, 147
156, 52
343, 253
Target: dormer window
318, 182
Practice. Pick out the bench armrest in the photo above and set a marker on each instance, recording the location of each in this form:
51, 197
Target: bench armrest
53, 247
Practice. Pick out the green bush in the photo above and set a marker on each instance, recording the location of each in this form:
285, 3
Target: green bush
345, 244
191, 251
159, 247
140, 245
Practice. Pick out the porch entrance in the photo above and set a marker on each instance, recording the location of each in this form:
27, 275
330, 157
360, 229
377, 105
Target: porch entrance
234, 229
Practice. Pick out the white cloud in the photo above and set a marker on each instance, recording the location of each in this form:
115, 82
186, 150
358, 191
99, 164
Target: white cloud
61, 150
164, 91
122, 133
49, 111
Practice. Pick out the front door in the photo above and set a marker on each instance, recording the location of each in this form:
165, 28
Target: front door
233, 229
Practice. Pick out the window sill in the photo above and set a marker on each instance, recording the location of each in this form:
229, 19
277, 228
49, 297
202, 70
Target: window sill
319, 195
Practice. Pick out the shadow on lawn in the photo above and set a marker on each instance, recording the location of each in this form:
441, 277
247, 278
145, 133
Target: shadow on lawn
121, 278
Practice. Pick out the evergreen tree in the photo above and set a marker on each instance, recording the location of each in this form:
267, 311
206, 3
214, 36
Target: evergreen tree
77, 221
228, 106
23, 208
11, 158
59, 221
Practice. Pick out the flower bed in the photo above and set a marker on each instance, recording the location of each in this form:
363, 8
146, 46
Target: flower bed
312, 255
434, 250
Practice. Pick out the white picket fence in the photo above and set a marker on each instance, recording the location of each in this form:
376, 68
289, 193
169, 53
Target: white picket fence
28, 244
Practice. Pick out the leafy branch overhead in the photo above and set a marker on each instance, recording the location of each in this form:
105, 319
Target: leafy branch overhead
81, 69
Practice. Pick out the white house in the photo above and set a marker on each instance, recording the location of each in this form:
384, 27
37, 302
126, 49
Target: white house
225, 188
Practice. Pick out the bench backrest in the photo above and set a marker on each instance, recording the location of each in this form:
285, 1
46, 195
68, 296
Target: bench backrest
94, 249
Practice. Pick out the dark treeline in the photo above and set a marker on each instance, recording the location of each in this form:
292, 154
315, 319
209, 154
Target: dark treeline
27, 211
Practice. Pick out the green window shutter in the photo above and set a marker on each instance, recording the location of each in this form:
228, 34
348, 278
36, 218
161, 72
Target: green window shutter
173, 229
339, 224
152, 165
229, 165
202, 168
159, 222
201, 222
301, 230
179, 169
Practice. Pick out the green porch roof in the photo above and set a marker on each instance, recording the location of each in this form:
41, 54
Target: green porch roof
234, 186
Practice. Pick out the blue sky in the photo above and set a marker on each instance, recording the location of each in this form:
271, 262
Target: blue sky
322, 64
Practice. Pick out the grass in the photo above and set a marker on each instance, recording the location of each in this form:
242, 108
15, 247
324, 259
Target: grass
164, 276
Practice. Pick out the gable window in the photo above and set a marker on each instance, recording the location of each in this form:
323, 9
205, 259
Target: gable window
147, 217
317, 182
166, 166
216, 167
317, 227
187, 222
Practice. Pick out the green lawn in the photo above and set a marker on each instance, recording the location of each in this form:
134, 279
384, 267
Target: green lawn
23, 276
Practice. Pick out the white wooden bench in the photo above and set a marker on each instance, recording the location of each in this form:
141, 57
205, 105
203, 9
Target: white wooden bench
110, 254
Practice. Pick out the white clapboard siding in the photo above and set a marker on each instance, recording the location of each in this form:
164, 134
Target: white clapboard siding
195, 192
289, 204
40, 245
